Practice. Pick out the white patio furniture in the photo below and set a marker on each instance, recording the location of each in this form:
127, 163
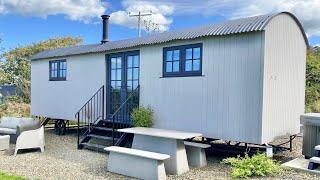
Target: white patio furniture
163, 141
4, 142
314, 163
196, 154
15, 126
136, 163
31, 139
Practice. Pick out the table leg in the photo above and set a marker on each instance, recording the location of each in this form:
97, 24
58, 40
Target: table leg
177, 163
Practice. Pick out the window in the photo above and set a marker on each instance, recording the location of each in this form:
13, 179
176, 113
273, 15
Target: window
57, 70
182, 60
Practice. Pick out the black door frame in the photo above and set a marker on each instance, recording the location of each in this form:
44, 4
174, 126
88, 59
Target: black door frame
123, 56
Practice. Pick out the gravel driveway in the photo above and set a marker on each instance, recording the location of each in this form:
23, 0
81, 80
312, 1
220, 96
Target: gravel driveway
62, 160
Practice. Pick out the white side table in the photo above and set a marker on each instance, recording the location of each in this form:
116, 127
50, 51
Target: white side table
4, 142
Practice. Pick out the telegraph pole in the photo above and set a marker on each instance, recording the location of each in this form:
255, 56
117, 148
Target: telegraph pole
139, 15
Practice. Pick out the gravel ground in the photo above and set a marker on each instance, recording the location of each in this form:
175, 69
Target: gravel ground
61, 160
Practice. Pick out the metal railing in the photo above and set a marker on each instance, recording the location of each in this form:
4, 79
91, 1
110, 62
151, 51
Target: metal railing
121, 116
90, 113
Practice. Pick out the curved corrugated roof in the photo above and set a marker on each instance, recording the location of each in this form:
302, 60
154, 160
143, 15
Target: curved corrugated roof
244, 25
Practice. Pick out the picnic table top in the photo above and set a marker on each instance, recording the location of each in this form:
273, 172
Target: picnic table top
163, 133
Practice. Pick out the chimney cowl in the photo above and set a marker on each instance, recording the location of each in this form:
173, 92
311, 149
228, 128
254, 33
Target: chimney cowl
105, 30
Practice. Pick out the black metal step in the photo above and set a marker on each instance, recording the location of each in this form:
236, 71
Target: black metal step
94, 147
106, 121
103, 129
109, 121
102, 137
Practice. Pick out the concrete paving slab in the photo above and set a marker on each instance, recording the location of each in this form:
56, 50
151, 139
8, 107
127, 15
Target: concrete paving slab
301, 164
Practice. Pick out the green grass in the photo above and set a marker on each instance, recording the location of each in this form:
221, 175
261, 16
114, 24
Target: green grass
5, 176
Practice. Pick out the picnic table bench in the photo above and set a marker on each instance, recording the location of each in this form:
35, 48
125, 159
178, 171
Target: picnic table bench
136, 163
169, 142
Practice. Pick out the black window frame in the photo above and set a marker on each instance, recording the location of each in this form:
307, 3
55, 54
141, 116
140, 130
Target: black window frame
182, 72
59, 76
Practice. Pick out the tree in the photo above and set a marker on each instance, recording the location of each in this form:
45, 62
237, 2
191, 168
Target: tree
15, 63
313, 81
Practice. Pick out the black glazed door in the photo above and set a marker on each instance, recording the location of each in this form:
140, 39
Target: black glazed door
123, 81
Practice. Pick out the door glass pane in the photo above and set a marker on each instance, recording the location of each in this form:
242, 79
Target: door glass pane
136, 61
130, 61
129, 74
118, 84
135, 84
118, 62
189, 65
113, 63
129, 84
113, 84
113, 74
135, 73
118, 74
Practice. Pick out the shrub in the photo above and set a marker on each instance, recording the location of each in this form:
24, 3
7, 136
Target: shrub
142, 117
257, 165
316, 106
15, 109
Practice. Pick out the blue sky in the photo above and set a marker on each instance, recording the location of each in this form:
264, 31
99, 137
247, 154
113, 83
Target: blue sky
36, 20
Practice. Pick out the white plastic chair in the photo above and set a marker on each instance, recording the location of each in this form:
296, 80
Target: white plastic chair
31, 139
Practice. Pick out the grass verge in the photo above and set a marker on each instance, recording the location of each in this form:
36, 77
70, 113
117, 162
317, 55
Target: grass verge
5, 176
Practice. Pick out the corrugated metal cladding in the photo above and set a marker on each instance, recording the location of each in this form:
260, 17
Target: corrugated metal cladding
250, 24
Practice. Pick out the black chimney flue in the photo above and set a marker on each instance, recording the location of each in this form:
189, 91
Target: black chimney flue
105, 24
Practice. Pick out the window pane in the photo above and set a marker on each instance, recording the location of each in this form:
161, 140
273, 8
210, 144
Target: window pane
189, 53
176, 55
136, 61
113, 63
135, 73
129, 73
196, 65
196, 53
118, 62
61, 73
118, 74
64, 73
175, 66
63, 65
168, 66
189, 65
52, 74
169, 55
130, 61
113, 74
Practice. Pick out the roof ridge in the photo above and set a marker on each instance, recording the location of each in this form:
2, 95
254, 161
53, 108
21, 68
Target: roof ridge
234, 26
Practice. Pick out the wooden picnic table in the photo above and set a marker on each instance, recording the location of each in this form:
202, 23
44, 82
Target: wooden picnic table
169, 142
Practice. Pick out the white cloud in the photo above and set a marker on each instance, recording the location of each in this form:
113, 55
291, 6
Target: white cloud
82, 10
160, 13
307, 11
